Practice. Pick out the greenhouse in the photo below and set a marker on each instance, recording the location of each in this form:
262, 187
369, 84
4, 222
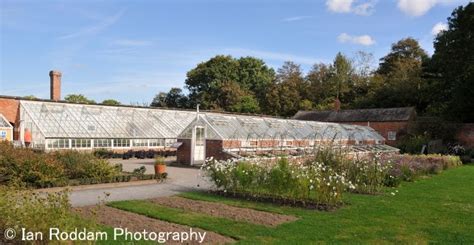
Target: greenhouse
6, 129
50, 125
223, 136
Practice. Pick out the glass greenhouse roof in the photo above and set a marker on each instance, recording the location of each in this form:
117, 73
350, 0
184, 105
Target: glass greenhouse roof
4, 122
222, 126
61, 120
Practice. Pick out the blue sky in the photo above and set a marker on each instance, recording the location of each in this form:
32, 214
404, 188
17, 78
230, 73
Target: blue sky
131, 50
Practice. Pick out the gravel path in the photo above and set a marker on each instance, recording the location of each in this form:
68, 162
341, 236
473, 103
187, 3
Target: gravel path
179, 180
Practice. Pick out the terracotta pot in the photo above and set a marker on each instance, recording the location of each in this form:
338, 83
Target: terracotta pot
160, 169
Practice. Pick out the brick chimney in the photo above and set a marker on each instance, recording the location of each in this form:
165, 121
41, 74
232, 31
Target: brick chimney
337, 104
55, 85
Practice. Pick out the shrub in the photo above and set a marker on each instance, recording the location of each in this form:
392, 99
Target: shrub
103, 153
24, 167
21, 208
412, 144
139, 171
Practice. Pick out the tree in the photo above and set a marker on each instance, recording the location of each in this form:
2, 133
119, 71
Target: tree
290, 88
30, 97
328, 82
452, 66
341, 80
111, 102
208, 81
319, 86
78, 98
246, 104
398, 81
176, 99
159, 100
205, 81
256, 77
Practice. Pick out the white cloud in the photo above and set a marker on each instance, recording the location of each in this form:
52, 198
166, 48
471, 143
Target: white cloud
421, 7
91, 30
439, 27
351, 6
297, 18
365, 40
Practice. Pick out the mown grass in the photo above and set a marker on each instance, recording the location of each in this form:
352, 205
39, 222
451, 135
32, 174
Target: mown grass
436, 209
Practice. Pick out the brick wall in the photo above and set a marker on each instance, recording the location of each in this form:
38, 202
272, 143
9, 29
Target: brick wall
401, 128
231, 143
214, 149
183, 155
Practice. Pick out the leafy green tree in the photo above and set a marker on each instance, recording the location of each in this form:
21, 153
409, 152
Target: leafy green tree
205, 81
78, 98
341, 78
159, 100
319, 85
398, 81
111, 102
246, 104
452, 66
290, 88
30, 97
247, 76
256, 77
176, 99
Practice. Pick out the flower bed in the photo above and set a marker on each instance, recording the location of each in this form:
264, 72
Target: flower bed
321, 179
409, 167
315, 184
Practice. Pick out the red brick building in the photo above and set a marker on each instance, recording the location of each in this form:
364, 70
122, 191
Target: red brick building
391, 123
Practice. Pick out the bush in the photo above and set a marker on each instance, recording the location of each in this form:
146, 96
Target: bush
21, 208
412, 144
24, 167
139, 171
103, 153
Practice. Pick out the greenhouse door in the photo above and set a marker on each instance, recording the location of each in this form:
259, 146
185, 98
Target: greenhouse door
199, 145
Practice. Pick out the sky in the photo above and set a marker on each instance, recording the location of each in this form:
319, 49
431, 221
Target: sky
131, 50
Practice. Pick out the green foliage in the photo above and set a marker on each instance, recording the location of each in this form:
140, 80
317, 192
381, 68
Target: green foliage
412, 144
220, 82
24, 167
21, 208
452, 66
111, 102
78, 98
282, 180
159, 100
139, 171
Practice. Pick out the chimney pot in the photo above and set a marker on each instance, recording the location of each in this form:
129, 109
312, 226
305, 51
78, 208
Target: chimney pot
55, 85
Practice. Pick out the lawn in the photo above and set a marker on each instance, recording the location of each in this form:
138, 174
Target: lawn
433, 209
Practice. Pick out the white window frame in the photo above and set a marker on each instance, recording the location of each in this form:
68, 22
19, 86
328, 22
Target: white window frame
392, 135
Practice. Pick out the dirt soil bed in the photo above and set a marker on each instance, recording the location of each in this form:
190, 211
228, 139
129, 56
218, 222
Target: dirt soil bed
137, 223
225, 211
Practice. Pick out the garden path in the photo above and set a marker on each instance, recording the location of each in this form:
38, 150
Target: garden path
179, 180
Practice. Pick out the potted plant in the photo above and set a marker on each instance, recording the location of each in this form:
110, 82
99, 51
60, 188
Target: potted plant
160, 166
